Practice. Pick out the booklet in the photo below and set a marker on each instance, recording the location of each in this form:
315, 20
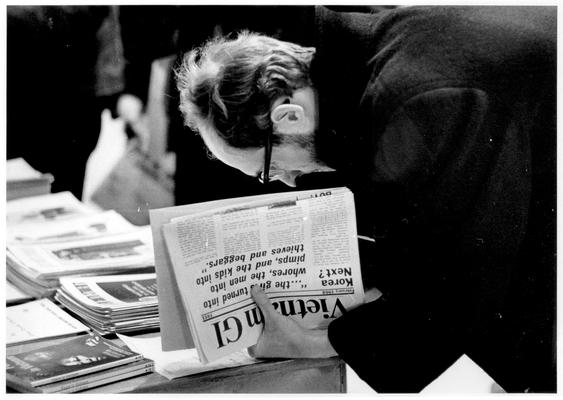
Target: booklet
300, 247
75, 357
90, 381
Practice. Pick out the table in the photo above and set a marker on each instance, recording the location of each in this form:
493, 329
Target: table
321, 375
326, 375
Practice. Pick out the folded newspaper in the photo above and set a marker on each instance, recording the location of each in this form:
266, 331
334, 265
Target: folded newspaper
300, 247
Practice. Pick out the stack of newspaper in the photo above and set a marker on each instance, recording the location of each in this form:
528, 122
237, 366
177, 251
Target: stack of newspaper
112, 303
300, 247
56, 235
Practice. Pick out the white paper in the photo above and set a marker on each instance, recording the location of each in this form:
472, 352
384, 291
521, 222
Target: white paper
45, 208
38, 320
18, 169
13, 294
178, 363
87, 226
463, 376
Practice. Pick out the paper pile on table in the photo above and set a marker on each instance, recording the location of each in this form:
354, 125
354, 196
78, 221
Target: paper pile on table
37, 268
81, 363
56, 235
113, 303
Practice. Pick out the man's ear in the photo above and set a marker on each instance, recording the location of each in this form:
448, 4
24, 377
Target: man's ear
289, 119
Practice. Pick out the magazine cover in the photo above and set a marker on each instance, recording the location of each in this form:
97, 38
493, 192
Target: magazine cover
79, 356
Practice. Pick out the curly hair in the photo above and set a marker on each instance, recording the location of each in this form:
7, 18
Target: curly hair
229, 85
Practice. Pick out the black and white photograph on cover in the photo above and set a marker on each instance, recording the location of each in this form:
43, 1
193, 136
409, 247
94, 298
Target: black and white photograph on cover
131, 291
439, 119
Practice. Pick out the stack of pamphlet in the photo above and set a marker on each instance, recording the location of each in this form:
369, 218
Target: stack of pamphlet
112, 303
37, 268
57, 235
300, 247
77, 364
22, 180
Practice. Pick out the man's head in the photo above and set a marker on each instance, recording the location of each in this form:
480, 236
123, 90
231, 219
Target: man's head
237, 92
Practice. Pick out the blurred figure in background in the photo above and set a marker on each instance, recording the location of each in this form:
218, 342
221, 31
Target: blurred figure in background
63, 67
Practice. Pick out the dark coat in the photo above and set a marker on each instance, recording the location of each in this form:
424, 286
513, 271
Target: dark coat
442, 122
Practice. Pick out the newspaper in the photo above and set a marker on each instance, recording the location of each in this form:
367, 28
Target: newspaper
300, 248
45, 208
107, 254
82, 226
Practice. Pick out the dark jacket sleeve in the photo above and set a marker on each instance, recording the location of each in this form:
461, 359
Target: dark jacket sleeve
457, 161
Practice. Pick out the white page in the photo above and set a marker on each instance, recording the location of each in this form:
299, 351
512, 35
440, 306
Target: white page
13, 294
38, 320
41, 209
19, 169
83, 226
178, 363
